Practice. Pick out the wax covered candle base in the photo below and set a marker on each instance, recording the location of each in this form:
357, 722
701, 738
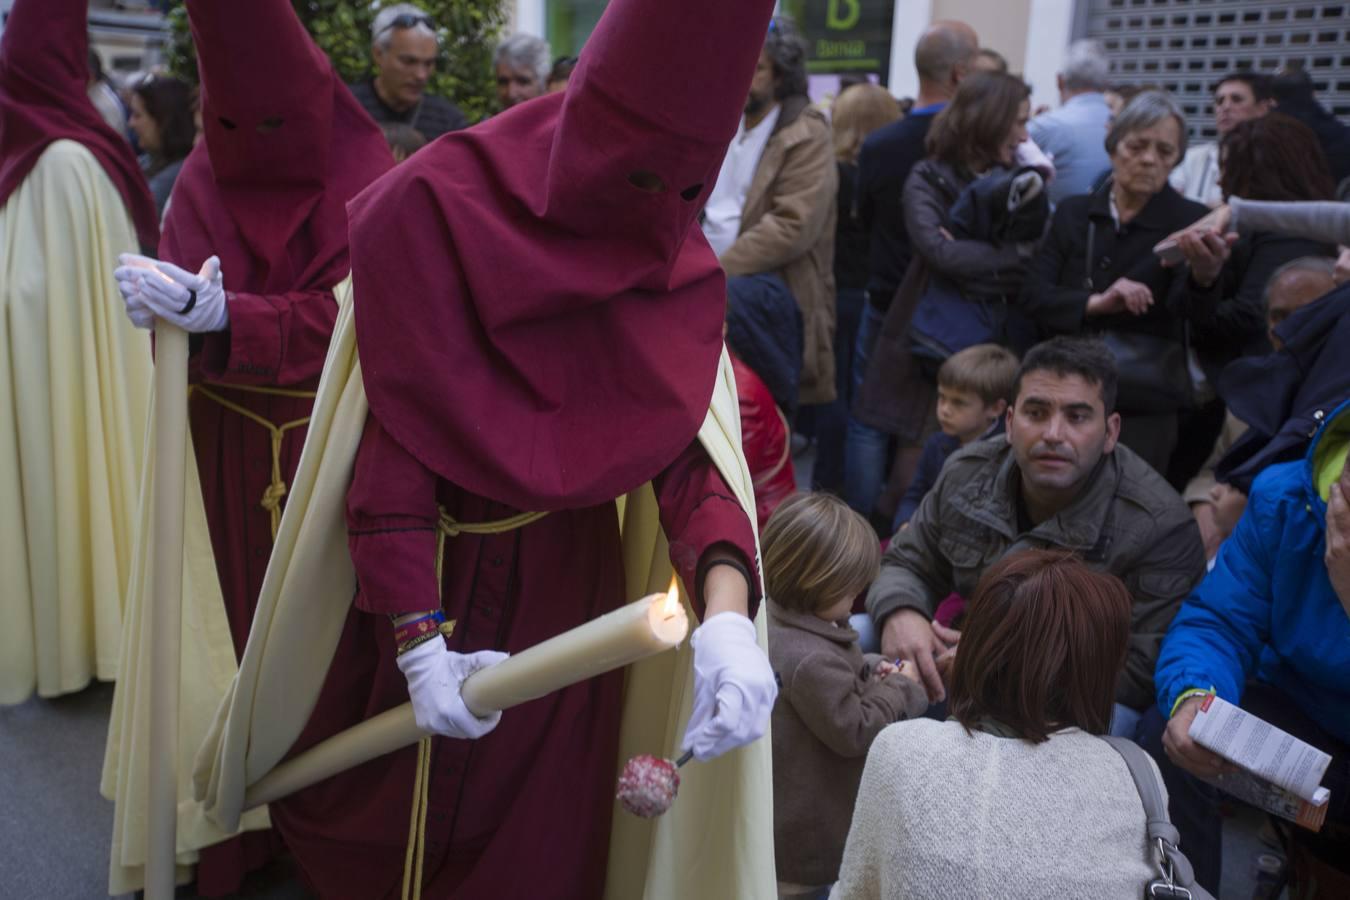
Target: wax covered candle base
647, 785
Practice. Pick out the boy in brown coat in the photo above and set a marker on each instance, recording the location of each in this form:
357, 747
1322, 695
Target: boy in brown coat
833, 700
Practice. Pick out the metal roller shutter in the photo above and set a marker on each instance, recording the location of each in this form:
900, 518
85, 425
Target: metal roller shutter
1186, 45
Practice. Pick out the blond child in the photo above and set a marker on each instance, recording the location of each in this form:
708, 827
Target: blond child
833, 700
974, 386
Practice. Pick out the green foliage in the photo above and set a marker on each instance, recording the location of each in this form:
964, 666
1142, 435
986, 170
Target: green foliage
468, 31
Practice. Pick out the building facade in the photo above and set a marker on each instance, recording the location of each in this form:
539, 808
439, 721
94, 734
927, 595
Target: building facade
1180, 45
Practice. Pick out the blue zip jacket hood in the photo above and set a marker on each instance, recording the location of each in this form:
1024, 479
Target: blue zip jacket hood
1268, 610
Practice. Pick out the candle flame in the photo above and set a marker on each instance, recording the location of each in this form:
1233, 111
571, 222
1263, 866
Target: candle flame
672, 604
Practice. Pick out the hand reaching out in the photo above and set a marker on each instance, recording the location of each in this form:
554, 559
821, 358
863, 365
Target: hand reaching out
907, 635
1206, 251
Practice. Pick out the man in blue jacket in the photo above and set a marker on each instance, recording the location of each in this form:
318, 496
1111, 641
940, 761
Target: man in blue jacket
1269, 629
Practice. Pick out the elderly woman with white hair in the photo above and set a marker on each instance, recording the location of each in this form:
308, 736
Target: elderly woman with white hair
1096, 273
521, 64
405, 44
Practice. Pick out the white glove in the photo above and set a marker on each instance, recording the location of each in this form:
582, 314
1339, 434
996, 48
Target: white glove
434, 676
140, 314
734, 687
194, 303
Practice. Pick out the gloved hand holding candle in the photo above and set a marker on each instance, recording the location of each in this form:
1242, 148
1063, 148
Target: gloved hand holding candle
193, 302
734, 687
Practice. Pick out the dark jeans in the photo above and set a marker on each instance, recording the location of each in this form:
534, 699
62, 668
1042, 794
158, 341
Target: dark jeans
865, 447
1194, 805
832, 418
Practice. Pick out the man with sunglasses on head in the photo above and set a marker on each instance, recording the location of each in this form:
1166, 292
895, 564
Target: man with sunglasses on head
404, 46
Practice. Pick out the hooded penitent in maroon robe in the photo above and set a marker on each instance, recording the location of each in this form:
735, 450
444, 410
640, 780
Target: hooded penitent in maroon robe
286, 146
44, 83
539, 324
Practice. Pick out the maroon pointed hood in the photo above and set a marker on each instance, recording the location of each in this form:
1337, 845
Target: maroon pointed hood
534, 325
44, 97
284, 147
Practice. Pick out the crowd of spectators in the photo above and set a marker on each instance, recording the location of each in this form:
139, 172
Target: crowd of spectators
161, 117
1079, 375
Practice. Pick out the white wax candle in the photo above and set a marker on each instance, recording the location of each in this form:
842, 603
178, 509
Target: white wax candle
629, 633
171, 365
640, 629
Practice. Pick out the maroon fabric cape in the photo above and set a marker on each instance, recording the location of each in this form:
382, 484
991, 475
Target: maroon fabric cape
285, 147
44, 83
525, 811
523, 308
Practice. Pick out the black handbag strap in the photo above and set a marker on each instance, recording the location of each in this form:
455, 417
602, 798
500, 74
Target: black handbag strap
1087, 258
1177, 875
1092, 238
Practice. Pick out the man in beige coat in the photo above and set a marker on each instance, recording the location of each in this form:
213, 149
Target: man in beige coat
774, 206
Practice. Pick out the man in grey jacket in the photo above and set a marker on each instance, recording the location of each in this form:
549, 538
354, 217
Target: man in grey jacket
1059, 480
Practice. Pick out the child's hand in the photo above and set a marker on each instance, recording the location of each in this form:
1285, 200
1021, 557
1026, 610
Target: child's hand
907, 669
904, 668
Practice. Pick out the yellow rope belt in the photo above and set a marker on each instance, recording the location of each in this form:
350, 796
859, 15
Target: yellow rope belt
447, 527
271, 499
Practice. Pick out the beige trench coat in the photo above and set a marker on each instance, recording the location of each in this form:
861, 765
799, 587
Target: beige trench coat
787, 227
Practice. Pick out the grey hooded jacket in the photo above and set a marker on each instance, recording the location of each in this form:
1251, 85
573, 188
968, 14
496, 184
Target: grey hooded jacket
1127, 521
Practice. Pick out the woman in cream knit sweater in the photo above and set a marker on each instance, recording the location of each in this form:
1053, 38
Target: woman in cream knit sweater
1015, 797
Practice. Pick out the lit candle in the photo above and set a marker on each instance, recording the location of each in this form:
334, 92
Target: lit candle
629, 633
636, 631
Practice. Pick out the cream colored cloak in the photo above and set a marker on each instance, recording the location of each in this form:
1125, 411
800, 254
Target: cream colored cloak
74, 388
208, 667
717, 841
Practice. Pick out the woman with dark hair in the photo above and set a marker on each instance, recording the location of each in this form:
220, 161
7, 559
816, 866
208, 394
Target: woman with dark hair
1015, 796
1096, 273
977, 133
1270, 158
162, 118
